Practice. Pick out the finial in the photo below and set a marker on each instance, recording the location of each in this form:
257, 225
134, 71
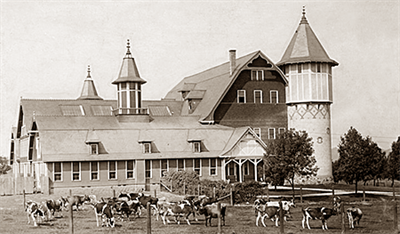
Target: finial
128, 52
88, 72
303, 18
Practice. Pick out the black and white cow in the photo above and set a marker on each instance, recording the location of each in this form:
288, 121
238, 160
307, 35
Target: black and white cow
143, 200
77, 200
211, 211
321, 213
55, 207
271, 210
176, 210
354, 214
104, 212
34, 211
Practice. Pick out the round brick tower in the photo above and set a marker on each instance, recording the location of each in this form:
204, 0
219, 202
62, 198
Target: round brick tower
309, 93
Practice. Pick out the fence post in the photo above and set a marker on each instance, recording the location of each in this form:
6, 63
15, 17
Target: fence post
219, 218
71, 218
333, 190
24, 199
281, 219
343, 218
301, 194
267, 193
364, 193
155, 192
114, 193
395, 219
394, 194
148, 218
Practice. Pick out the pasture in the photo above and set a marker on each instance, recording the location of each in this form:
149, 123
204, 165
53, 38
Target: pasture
378, 218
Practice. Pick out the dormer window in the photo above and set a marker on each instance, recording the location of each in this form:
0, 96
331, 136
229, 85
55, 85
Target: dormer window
147, 147
241, 96
257, 131
196, 147
94, 148
257, 75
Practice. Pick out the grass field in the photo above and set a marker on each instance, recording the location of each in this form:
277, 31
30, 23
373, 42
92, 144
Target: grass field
378, 218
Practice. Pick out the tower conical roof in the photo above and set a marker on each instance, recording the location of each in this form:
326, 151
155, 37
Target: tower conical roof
305, 46
89, 90
128, 71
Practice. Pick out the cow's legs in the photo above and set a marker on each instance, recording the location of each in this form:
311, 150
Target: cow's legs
308, 222
262, 219
258, 217
34, 219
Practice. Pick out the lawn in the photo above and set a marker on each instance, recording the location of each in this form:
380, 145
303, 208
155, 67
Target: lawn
378, 218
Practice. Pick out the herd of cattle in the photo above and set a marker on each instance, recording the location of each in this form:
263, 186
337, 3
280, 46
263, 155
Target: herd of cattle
126, 205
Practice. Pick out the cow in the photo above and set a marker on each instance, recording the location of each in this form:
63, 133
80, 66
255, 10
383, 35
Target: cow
321, 213
104, 211
128, 196
271, 210
33, 211
211, 211
77, 200
143, 200
354, 214
176, 210
55, 206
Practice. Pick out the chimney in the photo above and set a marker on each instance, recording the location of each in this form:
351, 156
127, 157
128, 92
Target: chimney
232, 60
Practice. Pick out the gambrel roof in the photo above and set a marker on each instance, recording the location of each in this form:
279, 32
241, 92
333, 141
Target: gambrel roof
215, 82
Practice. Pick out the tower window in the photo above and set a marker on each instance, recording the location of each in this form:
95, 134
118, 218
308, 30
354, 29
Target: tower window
274, 96
318, 67
241, 96
299, 68
257, 96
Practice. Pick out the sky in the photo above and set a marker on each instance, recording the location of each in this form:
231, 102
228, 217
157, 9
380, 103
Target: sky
46, 47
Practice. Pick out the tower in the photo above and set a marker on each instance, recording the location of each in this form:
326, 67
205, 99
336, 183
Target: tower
89, 91
129, 89
309, 93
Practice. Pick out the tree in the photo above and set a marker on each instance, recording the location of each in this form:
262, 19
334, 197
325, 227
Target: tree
393, 162
4, 167
360, 159
290, 155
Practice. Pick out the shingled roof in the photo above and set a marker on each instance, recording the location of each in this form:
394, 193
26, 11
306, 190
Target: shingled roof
305, 47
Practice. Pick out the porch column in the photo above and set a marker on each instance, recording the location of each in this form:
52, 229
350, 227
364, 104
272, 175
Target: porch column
240, 171
223, 170
255, 169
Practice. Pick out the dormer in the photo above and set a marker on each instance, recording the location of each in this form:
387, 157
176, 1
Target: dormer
129, 88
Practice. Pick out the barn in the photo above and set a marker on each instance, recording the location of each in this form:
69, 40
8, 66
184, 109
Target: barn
217, 123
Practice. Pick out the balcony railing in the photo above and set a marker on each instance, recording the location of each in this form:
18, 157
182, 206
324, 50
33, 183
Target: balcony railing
131, 111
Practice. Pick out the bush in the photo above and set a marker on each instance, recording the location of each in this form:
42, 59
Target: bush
247, 191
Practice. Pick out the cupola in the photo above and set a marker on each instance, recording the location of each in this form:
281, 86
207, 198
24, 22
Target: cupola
89, 91
129, 89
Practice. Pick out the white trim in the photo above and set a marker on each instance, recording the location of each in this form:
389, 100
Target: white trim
133, 169
261, 95
244, 95
216, 166
161, 169
277, 96
82, 110
91, 170
144, 147
194, 165
269, 135
61, 173
116, 175
72, 171
151, 168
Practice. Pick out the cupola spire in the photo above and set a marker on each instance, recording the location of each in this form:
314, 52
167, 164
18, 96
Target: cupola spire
128, 51
89, 89
303, 18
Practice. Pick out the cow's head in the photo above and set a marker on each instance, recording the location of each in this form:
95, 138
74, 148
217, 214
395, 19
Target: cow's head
336, 204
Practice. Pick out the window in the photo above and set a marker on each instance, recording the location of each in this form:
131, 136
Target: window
112, 170
148, 168
274, 96
299, 68
57, 171
94, 148
196, 146
257, 75
271, 133
281, 130
197, 166
318, 67
130, 169
257, 131
246, 168
231, 169
241, 96
72, 110
164, 167
257, 96
76, 171
181, 165
146, 147
213, 166
94, 170
101, 110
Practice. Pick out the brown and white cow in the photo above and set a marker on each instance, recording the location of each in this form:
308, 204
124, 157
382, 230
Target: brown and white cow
143, 200
104, 212
271, 210
33, 211
321, 213
211, 211
77, 200
354, 214
176, 210
55, 207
